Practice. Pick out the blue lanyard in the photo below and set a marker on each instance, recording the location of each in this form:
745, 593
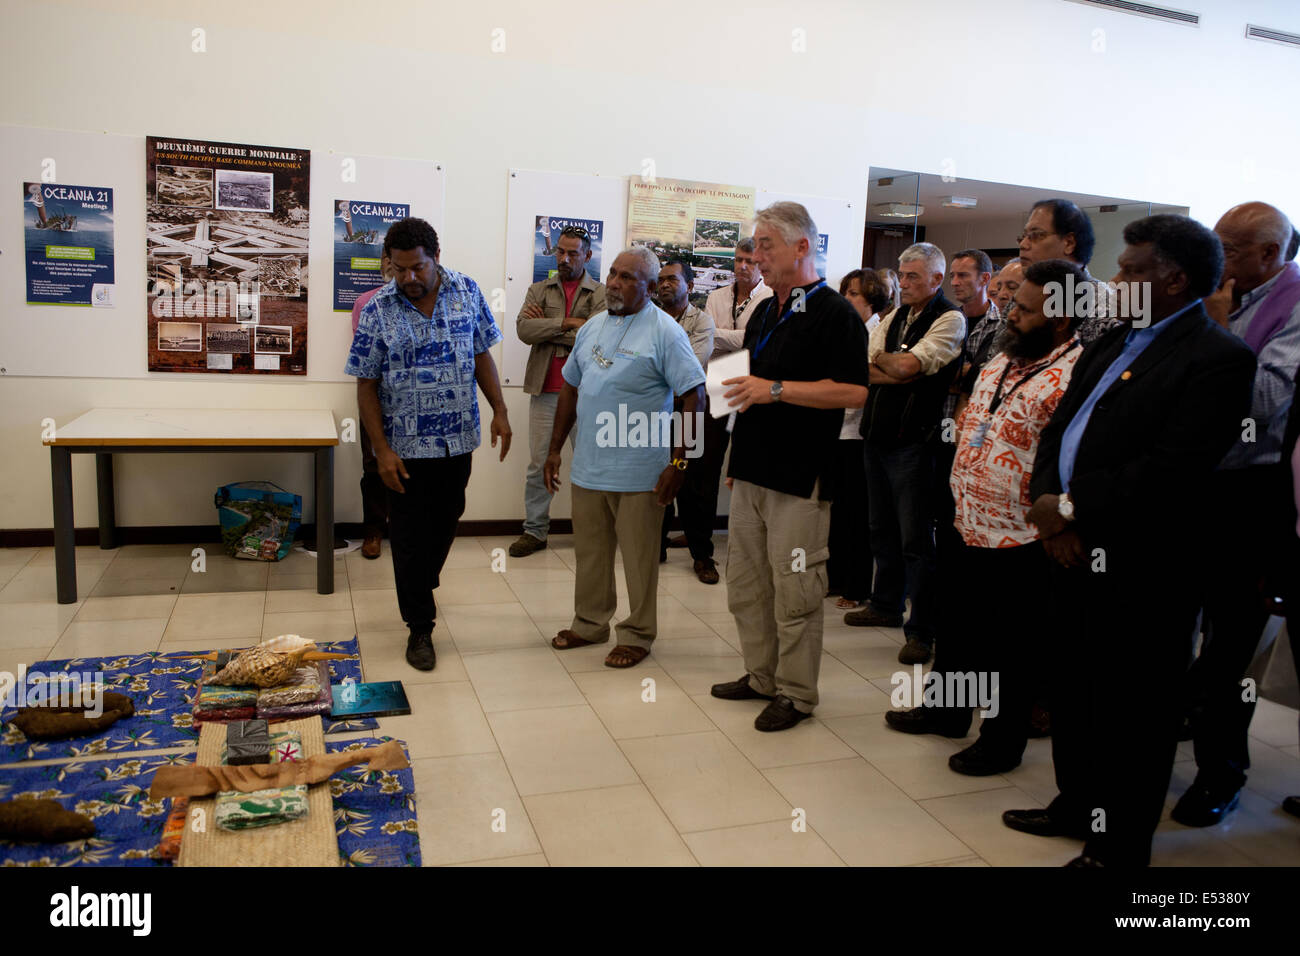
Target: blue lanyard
762, 341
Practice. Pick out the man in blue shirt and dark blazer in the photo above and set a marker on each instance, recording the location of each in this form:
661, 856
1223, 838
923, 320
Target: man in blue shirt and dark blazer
1119, 486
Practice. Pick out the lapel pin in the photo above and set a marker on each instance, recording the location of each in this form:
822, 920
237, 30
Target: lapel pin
1127, 375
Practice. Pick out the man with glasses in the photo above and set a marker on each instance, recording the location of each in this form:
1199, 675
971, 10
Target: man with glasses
626, 366
1058, 229
676, 282
553, 311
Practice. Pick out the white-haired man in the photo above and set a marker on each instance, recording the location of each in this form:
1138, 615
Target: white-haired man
915, 355
807, 349
626, 366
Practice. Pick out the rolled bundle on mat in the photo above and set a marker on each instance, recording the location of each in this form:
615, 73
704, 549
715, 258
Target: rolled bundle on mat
42, 821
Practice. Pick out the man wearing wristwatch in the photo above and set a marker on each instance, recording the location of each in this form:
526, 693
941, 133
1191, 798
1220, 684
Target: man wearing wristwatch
1120, 487
808, 362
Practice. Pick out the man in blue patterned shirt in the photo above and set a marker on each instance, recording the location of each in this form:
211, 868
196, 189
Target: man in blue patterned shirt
420, 349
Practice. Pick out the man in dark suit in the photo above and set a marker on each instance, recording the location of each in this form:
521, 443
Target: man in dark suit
1119, 497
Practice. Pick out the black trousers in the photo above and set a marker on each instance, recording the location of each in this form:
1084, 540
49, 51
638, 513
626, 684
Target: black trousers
374, 493
422, 526
849, 569
993, 624
1122, 640
1249, 546
697, 500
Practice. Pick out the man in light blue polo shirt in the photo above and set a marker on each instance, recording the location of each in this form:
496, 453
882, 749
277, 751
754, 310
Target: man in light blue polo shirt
629, 460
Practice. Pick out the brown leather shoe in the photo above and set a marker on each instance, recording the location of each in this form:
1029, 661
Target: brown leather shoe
371, 547
706, 571
677, 542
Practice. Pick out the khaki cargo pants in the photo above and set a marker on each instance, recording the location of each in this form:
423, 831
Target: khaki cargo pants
776, 582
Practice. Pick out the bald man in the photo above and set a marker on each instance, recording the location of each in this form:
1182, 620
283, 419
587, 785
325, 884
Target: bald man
1258, 301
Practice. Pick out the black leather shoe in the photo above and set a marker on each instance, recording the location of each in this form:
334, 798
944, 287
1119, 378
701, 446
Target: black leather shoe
781, 714
981, 760
925, 720
1203, 806
1082, 862
868, 616
1292, 806
1039, 823
419, 652
915, 651
738, 690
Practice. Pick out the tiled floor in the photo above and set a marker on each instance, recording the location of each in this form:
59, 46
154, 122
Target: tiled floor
528, 756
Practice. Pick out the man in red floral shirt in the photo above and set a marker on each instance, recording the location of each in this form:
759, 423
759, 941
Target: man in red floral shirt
998, 431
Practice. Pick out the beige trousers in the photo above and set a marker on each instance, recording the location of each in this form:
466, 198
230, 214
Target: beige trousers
776, 582
632, 520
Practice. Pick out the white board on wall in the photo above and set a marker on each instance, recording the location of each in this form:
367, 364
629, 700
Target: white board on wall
840, 220
335, 176
43, 340
532, 194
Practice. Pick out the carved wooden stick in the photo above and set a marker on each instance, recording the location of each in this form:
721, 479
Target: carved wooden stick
198, 781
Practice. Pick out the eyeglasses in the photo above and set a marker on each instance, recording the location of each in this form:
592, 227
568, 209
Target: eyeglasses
577, 231
1034, 235
599, 357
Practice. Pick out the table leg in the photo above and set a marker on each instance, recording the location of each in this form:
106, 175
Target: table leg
65, 535
325, 520
104, 487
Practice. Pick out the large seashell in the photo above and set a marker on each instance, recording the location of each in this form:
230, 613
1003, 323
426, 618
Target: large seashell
287, 643
261, 667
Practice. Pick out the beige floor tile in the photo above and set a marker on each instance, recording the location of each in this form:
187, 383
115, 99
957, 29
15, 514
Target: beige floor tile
459, 586
703, 782
126, 608
871, 654
677, 623
489, 627
300, 562
1274, 724
1258, 828
1177, 845
163, 566
611, 826
559, 749
86, 554
1292, 751
555, 575
107, 638
619, 698
976, 819
533, 859
863, 817
544, 599
313, 625
364, 573
33, 625
761, 844
697, 663
306, 599
14, 658
138, 587
806, 742
205, 644
696, 597
1036, 774
8, 572
469, 810
445, 720
225, 574
383, 658
845, 693
539, 561
524, 678
37, 583
916, 763
304, 582
467, 553
376, 608
205, 616
16, 557
131, 551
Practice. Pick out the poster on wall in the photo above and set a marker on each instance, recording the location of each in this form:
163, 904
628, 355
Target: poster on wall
699, 222
359, 230
226, 229
546, 237
820, 255
68, 233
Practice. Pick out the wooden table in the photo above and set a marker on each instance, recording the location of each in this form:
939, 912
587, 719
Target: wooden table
105, 432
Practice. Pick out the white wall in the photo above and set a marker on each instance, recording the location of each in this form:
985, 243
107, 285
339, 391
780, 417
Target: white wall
1165, 112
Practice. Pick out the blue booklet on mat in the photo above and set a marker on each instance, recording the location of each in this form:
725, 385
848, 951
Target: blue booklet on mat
379, 699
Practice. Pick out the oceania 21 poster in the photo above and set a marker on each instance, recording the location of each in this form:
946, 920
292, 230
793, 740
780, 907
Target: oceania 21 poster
68, 232
359, 230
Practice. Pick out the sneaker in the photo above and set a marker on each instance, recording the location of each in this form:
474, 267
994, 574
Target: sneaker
525, 545
781, 714
1204, 806
915, 651
419, 651
980, 760
706, 571
868, 616
737, 690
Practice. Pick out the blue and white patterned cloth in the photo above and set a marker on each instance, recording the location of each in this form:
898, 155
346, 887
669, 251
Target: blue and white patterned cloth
425, 366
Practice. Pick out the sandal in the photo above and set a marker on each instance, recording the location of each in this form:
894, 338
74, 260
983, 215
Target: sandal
567, 639
847, 604
626, 655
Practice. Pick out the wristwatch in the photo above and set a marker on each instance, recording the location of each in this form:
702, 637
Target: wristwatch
678, 463
1065, 507
777, 389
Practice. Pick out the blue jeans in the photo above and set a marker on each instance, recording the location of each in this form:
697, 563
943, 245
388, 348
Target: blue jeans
899, 499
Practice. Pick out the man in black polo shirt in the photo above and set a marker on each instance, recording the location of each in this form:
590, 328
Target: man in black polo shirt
808, 362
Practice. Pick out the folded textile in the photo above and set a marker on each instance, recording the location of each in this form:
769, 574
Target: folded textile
302, 688
320, 704
169, 848
278, 804
223, 697
197, 781
224, 716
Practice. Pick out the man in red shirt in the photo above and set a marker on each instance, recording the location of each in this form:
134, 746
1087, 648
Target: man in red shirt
552, 313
